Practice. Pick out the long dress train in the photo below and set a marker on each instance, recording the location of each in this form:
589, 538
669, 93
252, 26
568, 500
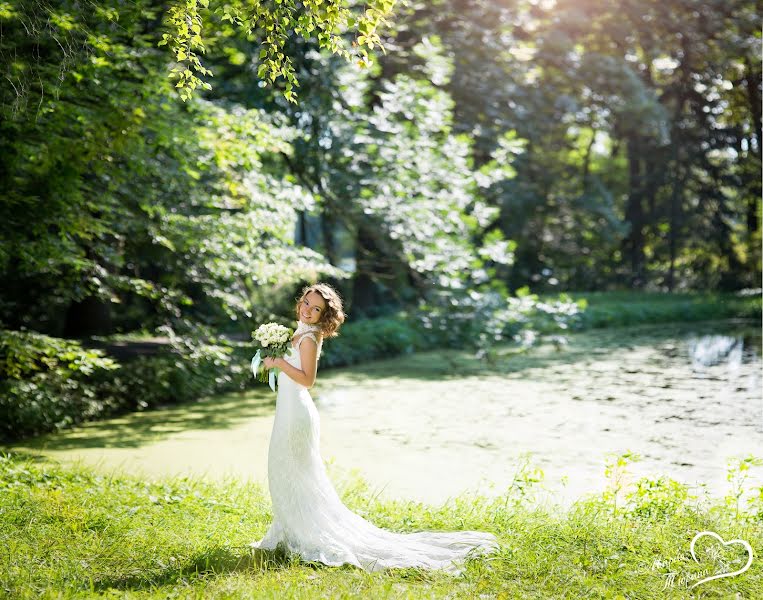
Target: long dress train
309, 518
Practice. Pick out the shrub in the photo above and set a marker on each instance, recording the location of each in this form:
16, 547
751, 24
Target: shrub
371, 339
47, 383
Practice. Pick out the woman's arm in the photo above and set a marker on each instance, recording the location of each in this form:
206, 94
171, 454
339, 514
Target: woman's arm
308, 353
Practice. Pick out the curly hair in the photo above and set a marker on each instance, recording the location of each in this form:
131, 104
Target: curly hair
333, 316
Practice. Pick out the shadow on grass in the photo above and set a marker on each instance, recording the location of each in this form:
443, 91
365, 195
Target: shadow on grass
212, 562
132, 430
209, 563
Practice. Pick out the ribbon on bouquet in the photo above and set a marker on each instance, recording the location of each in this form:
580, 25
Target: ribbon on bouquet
272, 374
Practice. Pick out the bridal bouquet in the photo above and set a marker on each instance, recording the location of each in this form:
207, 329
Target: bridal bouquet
275, 340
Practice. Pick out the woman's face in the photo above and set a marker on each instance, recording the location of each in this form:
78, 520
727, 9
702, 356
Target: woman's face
312, 308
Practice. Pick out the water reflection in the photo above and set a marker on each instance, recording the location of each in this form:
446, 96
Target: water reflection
710, 350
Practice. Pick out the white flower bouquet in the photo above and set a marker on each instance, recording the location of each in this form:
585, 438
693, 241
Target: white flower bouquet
275, 341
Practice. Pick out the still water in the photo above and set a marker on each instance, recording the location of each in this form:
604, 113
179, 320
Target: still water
429, 426
685, 398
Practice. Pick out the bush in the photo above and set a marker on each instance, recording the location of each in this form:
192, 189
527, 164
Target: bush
185, 371
371, 339
480, 319
47, 383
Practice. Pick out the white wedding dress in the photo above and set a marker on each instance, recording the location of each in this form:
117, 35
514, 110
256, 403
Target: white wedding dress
309, 518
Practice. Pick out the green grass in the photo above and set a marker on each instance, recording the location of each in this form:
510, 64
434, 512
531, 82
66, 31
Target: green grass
613, 309
68, 532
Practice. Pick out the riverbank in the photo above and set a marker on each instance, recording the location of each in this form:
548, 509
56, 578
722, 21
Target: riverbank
73, 533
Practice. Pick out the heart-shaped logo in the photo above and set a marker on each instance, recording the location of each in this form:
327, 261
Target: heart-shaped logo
720, 539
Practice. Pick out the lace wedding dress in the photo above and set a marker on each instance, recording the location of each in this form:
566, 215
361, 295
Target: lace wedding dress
309, 518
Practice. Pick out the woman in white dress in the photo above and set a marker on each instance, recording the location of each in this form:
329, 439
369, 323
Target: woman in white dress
309, 518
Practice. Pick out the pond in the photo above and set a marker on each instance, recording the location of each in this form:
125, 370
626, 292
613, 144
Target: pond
426, 427
684, 397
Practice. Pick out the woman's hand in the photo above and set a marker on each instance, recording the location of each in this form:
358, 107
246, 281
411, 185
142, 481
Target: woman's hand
269, 362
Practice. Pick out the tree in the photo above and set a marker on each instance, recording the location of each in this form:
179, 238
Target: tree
272, 25
115, 193
642, 124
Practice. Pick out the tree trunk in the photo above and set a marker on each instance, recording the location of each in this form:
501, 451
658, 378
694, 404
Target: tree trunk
587, 161
366, 292
679, 173
328, 228
301, 237
752, 81
675, 207
633, 245
753, 202
730, 278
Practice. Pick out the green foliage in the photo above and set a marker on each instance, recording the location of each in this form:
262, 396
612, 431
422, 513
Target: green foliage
399, 179
615, 472
371, 339
474, 321
273, 25
50, 384
479, 320
643, 134
47, 383
737, 473
657, 498
25, 353
649, 499
423, 189
404, 185
186, 371
163, 211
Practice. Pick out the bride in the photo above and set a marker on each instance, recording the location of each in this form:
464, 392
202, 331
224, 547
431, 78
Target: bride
309, 518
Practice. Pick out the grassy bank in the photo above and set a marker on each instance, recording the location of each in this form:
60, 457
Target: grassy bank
614, 309
69, 532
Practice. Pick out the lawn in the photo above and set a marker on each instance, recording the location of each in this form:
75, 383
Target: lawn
72, 533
